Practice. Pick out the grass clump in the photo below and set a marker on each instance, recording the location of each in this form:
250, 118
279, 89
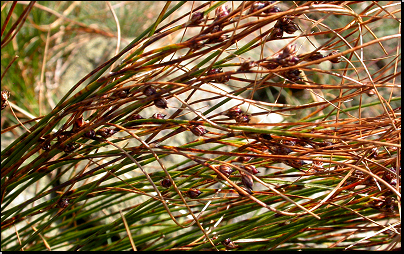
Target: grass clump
252, 125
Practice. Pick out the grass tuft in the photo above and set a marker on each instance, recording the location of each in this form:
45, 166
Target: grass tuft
255, 125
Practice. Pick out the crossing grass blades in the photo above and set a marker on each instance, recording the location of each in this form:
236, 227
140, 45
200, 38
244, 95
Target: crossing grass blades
128, 160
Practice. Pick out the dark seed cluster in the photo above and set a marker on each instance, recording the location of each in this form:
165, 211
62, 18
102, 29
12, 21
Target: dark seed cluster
258, 5
194, 193
122, 94
166, 183
218, 78
63, 203
245, 177
282, 147
284, 24
221, 12
237, 114
287, 57
247, 180
105, 132
384, 204
196, 18
225, 170
67, 148
159, 102
229, 244
198, 130
158, 116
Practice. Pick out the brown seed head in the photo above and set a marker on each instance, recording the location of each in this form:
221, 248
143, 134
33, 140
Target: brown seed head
63, 203
287, 25
136, 117
46, 145
293, 75
273, 9
64, 135
249, 191
149, 91
266, 136
80, 122
105, 132
194, 193
223, 79
246, 66
289, 50
196, 18
90, 134
229, 244
271, 64
122, 93
233, 112
166, 183
161, 103
246, 180
215, 71
222, 11
297, 164
276, 33
226, 170
336, 59
158, 116
250, 168
315, 56
256, 6
70, 147
216, 29
198, 130
281, 150
243, 158
242, 118
374, 153
325, 143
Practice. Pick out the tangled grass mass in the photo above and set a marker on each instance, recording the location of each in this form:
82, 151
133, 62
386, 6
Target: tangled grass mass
255, 125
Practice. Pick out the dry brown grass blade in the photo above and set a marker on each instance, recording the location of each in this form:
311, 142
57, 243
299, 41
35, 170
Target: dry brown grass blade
18, 237
43, 239
128, 231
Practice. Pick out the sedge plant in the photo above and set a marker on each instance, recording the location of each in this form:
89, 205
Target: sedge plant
170, 142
